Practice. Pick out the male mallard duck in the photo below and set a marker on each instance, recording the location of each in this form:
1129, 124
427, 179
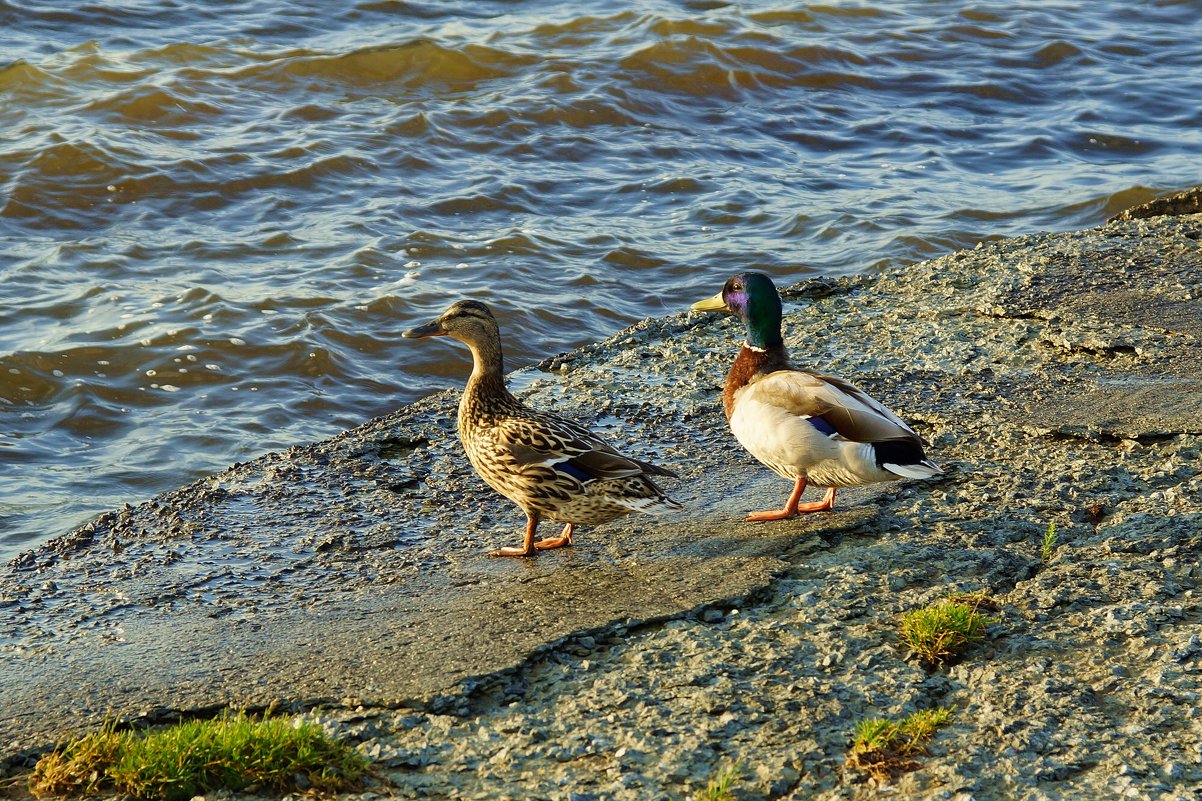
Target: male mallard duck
551, 467
805, 426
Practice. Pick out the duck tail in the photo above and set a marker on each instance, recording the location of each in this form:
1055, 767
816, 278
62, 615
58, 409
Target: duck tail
904, 457
650, 500
654, 505
924, 469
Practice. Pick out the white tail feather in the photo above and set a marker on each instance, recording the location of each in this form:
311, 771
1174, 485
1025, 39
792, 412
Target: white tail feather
921, 470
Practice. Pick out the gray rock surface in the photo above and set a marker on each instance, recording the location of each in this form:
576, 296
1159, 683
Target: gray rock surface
1058, 379
1186, 202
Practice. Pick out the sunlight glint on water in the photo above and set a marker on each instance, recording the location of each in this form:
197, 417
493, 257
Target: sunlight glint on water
215, 223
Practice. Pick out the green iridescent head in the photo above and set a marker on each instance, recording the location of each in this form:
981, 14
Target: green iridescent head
752, 297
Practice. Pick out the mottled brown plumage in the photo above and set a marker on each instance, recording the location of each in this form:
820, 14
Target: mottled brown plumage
551, 467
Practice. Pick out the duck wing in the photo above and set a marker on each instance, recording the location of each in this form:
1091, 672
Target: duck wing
549, 441
852, 413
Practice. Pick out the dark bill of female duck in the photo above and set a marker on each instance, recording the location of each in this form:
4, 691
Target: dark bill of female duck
809, 427
549, 466
431, 329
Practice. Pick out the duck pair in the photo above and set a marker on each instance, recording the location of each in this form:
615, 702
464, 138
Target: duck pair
808, 427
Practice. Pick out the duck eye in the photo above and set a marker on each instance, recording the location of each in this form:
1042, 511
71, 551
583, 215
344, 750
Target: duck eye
736, 286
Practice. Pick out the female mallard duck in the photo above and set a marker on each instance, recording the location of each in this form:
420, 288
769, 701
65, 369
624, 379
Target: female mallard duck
806, 426
549, 466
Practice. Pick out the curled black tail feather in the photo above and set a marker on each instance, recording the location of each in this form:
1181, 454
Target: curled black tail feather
898, 451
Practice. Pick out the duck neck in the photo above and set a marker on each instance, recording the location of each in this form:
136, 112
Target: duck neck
486, 386
753, 361
763, 328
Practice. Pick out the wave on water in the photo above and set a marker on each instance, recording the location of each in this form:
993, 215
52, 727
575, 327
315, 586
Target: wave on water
216, 221
419, 63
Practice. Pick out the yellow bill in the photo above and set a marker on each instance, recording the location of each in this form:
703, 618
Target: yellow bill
716, 303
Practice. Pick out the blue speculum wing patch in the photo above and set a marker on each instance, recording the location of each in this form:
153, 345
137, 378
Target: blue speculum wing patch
823, 426
574, 471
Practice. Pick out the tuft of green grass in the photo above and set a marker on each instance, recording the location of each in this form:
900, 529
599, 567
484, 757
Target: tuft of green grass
1049, 543
720, 784
873, 734
232, 752
884, 748
917, 729
945, 629
79, 767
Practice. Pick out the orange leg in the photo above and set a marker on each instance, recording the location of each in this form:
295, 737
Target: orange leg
557, 542
793, 507
527, 548
827, 502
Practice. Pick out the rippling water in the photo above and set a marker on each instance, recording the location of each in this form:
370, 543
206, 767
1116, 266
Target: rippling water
217, 218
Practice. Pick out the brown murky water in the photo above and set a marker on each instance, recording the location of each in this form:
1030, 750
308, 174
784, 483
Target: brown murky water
216, 219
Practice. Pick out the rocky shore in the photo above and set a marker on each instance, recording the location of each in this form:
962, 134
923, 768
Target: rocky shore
1059, 380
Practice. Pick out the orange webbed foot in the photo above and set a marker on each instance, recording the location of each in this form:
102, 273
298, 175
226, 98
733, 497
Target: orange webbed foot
793, 508
815, 506
528, 547
827, 503
515, 551
775, 514
562, 540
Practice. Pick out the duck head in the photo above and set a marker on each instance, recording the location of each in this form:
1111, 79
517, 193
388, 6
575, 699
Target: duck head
752, 297
467, 320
